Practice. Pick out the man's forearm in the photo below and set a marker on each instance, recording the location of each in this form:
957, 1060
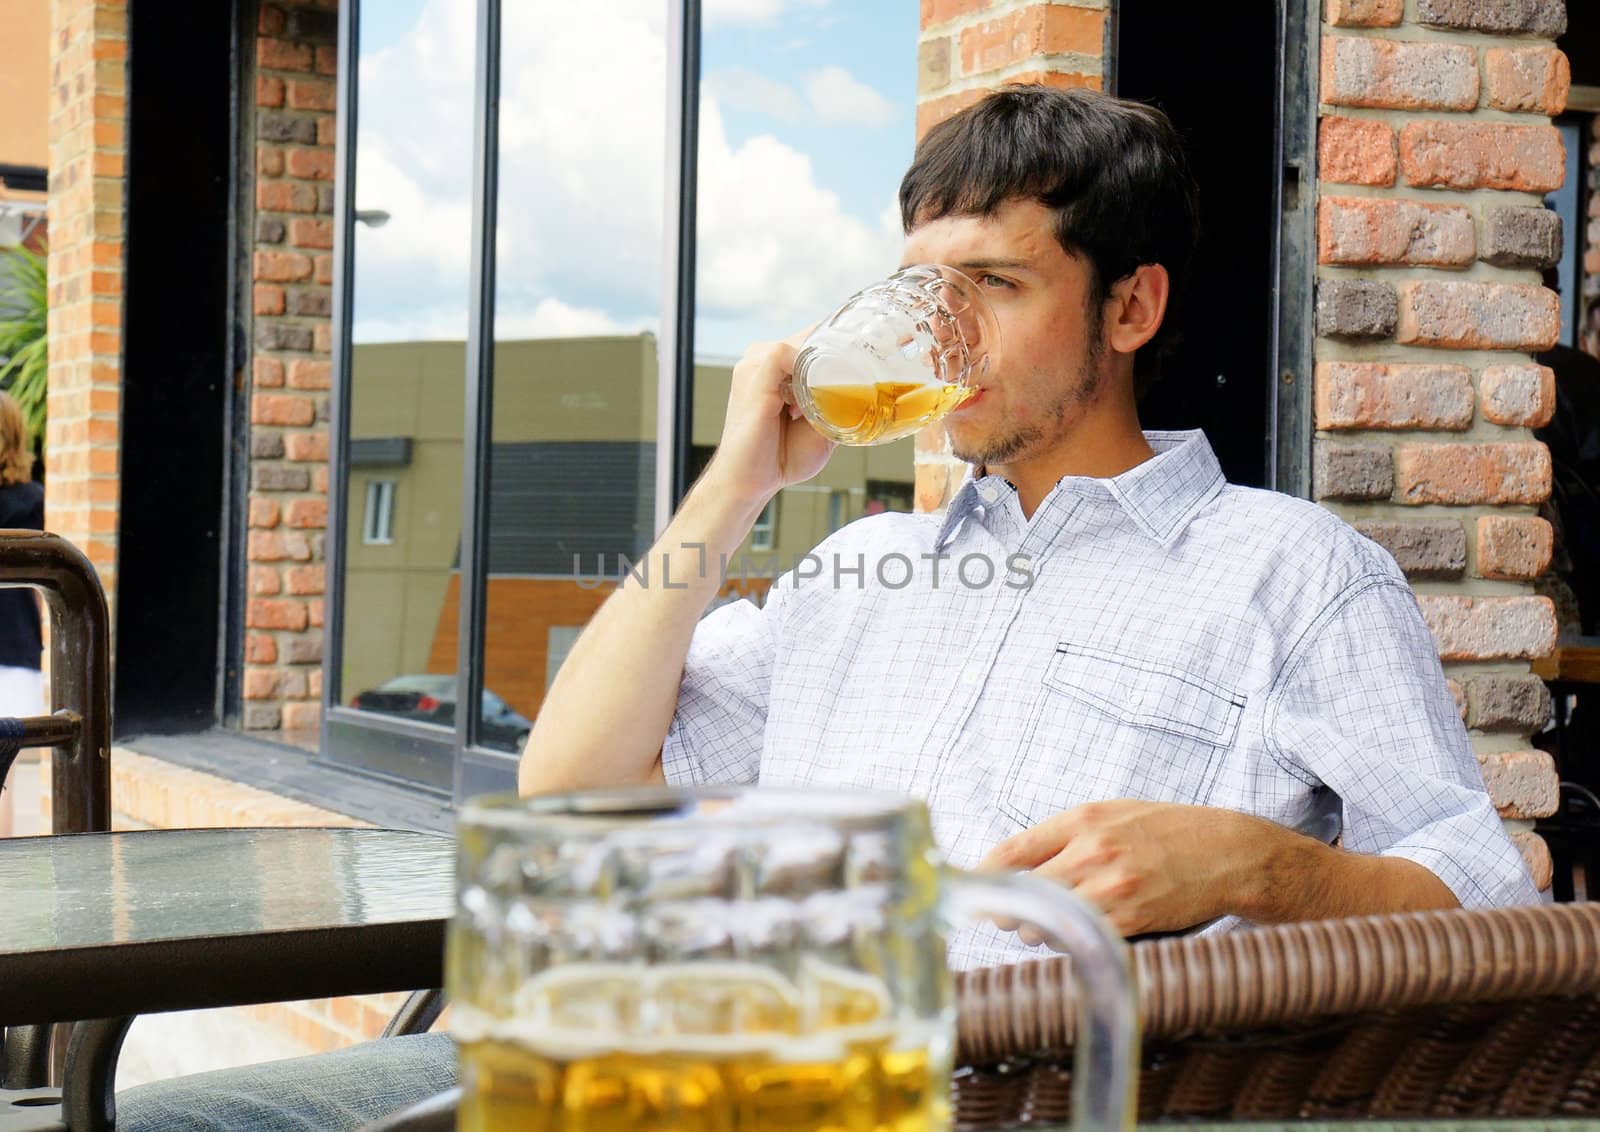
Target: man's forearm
1299, 878
608, 711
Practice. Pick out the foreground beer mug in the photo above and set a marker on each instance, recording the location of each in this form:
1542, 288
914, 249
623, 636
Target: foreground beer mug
737, 960
897, 356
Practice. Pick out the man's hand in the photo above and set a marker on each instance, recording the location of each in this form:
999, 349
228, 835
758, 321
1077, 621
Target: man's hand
1160, 866
766, 444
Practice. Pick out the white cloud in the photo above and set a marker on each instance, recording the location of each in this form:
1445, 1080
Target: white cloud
739, 86
582, 167
752, 11
838, 97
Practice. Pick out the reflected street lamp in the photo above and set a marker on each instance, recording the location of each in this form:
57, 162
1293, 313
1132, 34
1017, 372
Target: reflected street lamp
372, 217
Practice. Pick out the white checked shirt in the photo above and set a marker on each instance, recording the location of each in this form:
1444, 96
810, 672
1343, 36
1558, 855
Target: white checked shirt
1183, 640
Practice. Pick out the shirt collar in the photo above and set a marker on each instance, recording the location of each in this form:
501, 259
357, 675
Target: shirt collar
1162, 495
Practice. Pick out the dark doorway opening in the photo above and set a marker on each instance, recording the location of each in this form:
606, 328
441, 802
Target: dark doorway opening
1218, 83
176, 362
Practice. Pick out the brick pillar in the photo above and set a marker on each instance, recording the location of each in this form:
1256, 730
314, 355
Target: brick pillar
967, 49
1434, 151
292, 267
88, 52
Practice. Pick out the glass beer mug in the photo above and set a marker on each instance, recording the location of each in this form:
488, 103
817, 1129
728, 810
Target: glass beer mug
896, 356
737, 961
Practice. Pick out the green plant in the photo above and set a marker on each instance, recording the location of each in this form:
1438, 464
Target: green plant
24, 356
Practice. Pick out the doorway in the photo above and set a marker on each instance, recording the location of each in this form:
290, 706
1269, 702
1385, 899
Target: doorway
1217, 80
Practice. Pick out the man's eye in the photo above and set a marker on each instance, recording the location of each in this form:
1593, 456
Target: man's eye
995, 281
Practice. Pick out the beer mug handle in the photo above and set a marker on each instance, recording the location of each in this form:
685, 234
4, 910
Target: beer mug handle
1106, 1049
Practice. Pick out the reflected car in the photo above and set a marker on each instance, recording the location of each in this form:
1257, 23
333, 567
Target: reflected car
432, 699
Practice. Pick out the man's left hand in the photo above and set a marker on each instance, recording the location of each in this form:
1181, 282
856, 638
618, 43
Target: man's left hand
1149, 866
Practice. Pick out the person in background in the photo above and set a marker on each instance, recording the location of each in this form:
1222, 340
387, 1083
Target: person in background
21, 508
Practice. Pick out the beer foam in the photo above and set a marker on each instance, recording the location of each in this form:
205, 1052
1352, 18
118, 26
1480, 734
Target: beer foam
535, 1026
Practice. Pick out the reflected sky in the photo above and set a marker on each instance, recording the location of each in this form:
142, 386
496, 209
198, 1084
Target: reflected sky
807, 123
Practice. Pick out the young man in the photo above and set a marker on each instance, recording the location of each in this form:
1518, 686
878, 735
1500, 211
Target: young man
1183, 675
1194, 672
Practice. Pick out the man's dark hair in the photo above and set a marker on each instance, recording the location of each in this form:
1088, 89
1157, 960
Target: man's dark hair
1114, 171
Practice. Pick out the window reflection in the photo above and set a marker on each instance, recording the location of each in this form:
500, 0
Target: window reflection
800, 164
410, 255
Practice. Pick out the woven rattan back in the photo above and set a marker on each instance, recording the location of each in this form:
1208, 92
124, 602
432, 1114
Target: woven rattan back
1448, 1014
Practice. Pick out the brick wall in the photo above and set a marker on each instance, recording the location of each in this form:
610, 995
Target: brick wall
1434, 151
968, 48
87, 102
292, 268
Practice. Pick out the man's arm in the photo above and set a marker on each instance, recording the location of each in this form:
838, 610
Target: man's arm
608, 711
1156, 866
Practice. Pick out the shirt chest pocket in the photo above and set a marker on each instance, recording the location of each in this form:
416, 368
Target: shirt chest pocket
1107, 725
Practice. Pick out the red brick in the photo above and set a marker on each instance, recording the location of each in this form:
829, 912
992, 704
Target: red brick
269, 161
1489, 628
1361, 395
277, 613
314, 612
306, 374
935, 12
281, 55
319, 480
306, 447
327, 61
1521, 784
1532, 79
932, 486
1478, 316
265, 582
1472, 473
260, 648
1364, 13
1535, 857
271, 20
322, 333
324, 269
1518, 396
310, 94
269, 91
1044, 29
282, 409
282, 267
302, 717
281, 196
1459, 695
1482, 155
935, 110
1356, 151
1514, 547
266, 546
312, 164
267, 372
1367, 231
311, 233
1391, 75
268, 298
327, 130
305, 580
261, 683
307, 514
264, 513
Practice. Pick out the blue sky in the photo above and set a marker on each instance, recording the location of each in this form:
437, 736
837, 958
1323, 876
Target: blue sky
807, 123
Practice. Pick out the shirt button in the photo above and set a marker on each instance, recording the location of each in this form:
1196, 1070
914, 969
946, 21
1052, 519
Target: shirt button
1136, 698
969, 678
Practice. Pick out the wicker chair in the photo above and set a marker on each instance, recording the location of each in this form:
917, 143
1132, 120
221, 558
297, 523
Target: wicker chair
1464, 1014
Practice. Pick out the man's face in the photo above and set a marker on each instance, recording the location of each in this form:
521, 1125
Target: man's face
1048, 365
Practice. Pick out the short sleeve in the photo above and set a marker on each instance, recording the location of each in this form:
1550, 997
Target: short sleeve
1363, 707
716, 733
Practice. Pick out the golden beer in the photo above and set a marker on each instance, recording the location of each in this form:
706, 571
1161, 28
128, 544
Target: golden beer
726, 1047
887, 410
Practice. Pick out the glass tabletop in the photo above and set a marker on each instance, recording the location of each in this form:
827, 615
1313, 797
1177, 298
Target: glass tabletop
94, 890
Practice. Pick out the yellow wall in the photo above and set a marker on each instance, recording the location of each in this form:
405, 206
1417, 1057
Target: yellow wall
24, 86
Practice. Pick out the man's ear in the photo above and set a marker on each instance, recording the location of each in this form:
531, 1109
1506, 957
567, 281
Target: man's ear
1136, 306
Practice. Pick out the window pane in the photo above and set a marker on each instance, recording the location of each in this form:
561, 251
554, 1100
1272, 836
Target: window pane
577, 309
807, 122
410, 256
